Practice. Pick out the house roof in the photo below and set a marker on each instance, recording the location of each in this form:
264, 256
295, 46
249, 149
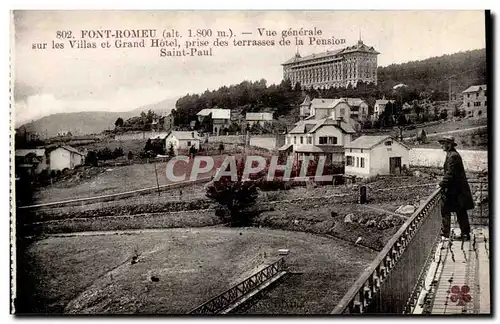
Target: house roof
307, 101
309, 148
24, 152
354, 102
475, 88
368, 142
311, 126
285, 147
326, 103
383, 101
303, 126
259, 116
185, 135
217, 113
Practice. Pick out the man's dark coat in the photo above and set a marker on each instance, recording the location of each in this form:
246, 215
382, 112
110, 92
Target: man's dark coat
456, 190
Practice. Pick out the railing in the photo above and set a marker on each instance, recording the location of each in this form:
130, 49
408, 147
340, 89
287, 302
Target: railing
392, 282
480, 192
228, 297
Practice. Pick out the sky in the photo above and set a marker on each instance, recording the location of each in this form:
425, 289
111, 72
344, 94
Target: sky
70, 80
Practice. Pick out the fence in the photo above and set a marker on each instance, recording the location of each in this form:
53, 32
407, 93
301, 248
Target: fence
391, 283
228, 297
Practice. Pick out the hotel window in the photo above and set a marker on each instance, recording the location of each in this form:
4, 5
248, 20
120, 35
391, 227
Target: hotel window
332, 140
301, 140
362, 162
295, 140
357, 162
323, 140
349, 160
189, 143
388, 143
309, 140
477, 95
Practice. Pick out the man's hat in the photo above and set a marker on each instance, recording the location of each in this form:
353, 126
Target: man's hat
448, 139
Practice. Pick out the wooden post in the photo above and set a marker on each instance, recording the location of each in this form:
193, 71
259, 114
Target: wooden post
157, 184
362, 194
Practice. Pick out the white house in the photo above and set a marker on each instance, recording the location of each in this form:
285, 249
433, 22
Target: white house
259, 118
371, 155
379, 107
325, 137
220, 118
65, 157
34, 159
182, 140
475, 101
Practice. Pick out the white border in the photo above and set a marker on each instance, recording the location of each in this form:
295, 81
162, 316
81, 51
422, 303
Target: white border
147, 4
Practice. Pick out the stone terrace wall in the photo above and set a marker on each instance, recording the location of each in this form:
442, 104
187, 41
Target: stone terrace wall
473, 160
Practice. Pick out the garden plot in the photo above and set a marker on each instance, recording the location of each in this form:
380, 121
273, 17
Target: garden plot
93, 272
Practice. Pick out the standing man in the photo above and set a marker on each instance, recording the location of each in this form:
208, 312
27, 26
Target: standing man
456, 195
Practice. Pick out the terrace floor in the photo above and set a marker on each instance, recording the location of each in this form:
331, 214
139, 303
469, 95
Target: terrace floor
458, 279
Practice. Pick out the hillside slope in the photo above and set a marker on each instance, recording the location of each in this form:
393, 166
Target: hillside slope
90, 122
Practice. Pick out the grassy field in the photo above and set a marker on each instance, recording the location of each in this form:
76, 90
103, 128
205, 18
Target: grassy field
92, 273
117, 179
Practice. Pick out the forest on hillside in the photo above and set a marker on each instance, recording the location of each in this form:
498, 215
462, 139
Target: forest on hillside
425, 80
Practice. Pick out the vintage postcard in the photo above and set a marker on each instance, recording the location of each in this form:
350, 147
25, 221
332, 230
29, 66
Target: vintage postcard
250, 162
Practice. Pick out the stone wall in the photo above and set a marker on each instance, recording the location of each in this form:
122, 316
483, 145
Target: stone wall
227, 139
139, 136
269, 142
425, 157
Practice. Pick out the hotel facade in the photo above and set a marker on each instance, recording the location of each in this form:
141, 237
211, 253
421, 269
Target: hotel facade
333, 68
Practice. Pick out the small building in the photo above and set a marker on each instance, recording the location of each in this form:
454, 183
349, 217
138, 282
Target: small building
34, 161
379, 107
305, 108
168, 121
359, 108
258, 118
475, 101
65, 157
218, 118
182, 140
375, 155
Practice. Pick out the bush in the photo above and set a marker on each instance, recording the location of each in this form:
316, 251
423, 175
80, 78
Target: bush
91, 158
118, 152
105, 154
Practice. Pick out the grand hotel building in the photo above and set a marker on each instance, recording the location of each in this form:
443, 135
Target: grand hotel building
333, 68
